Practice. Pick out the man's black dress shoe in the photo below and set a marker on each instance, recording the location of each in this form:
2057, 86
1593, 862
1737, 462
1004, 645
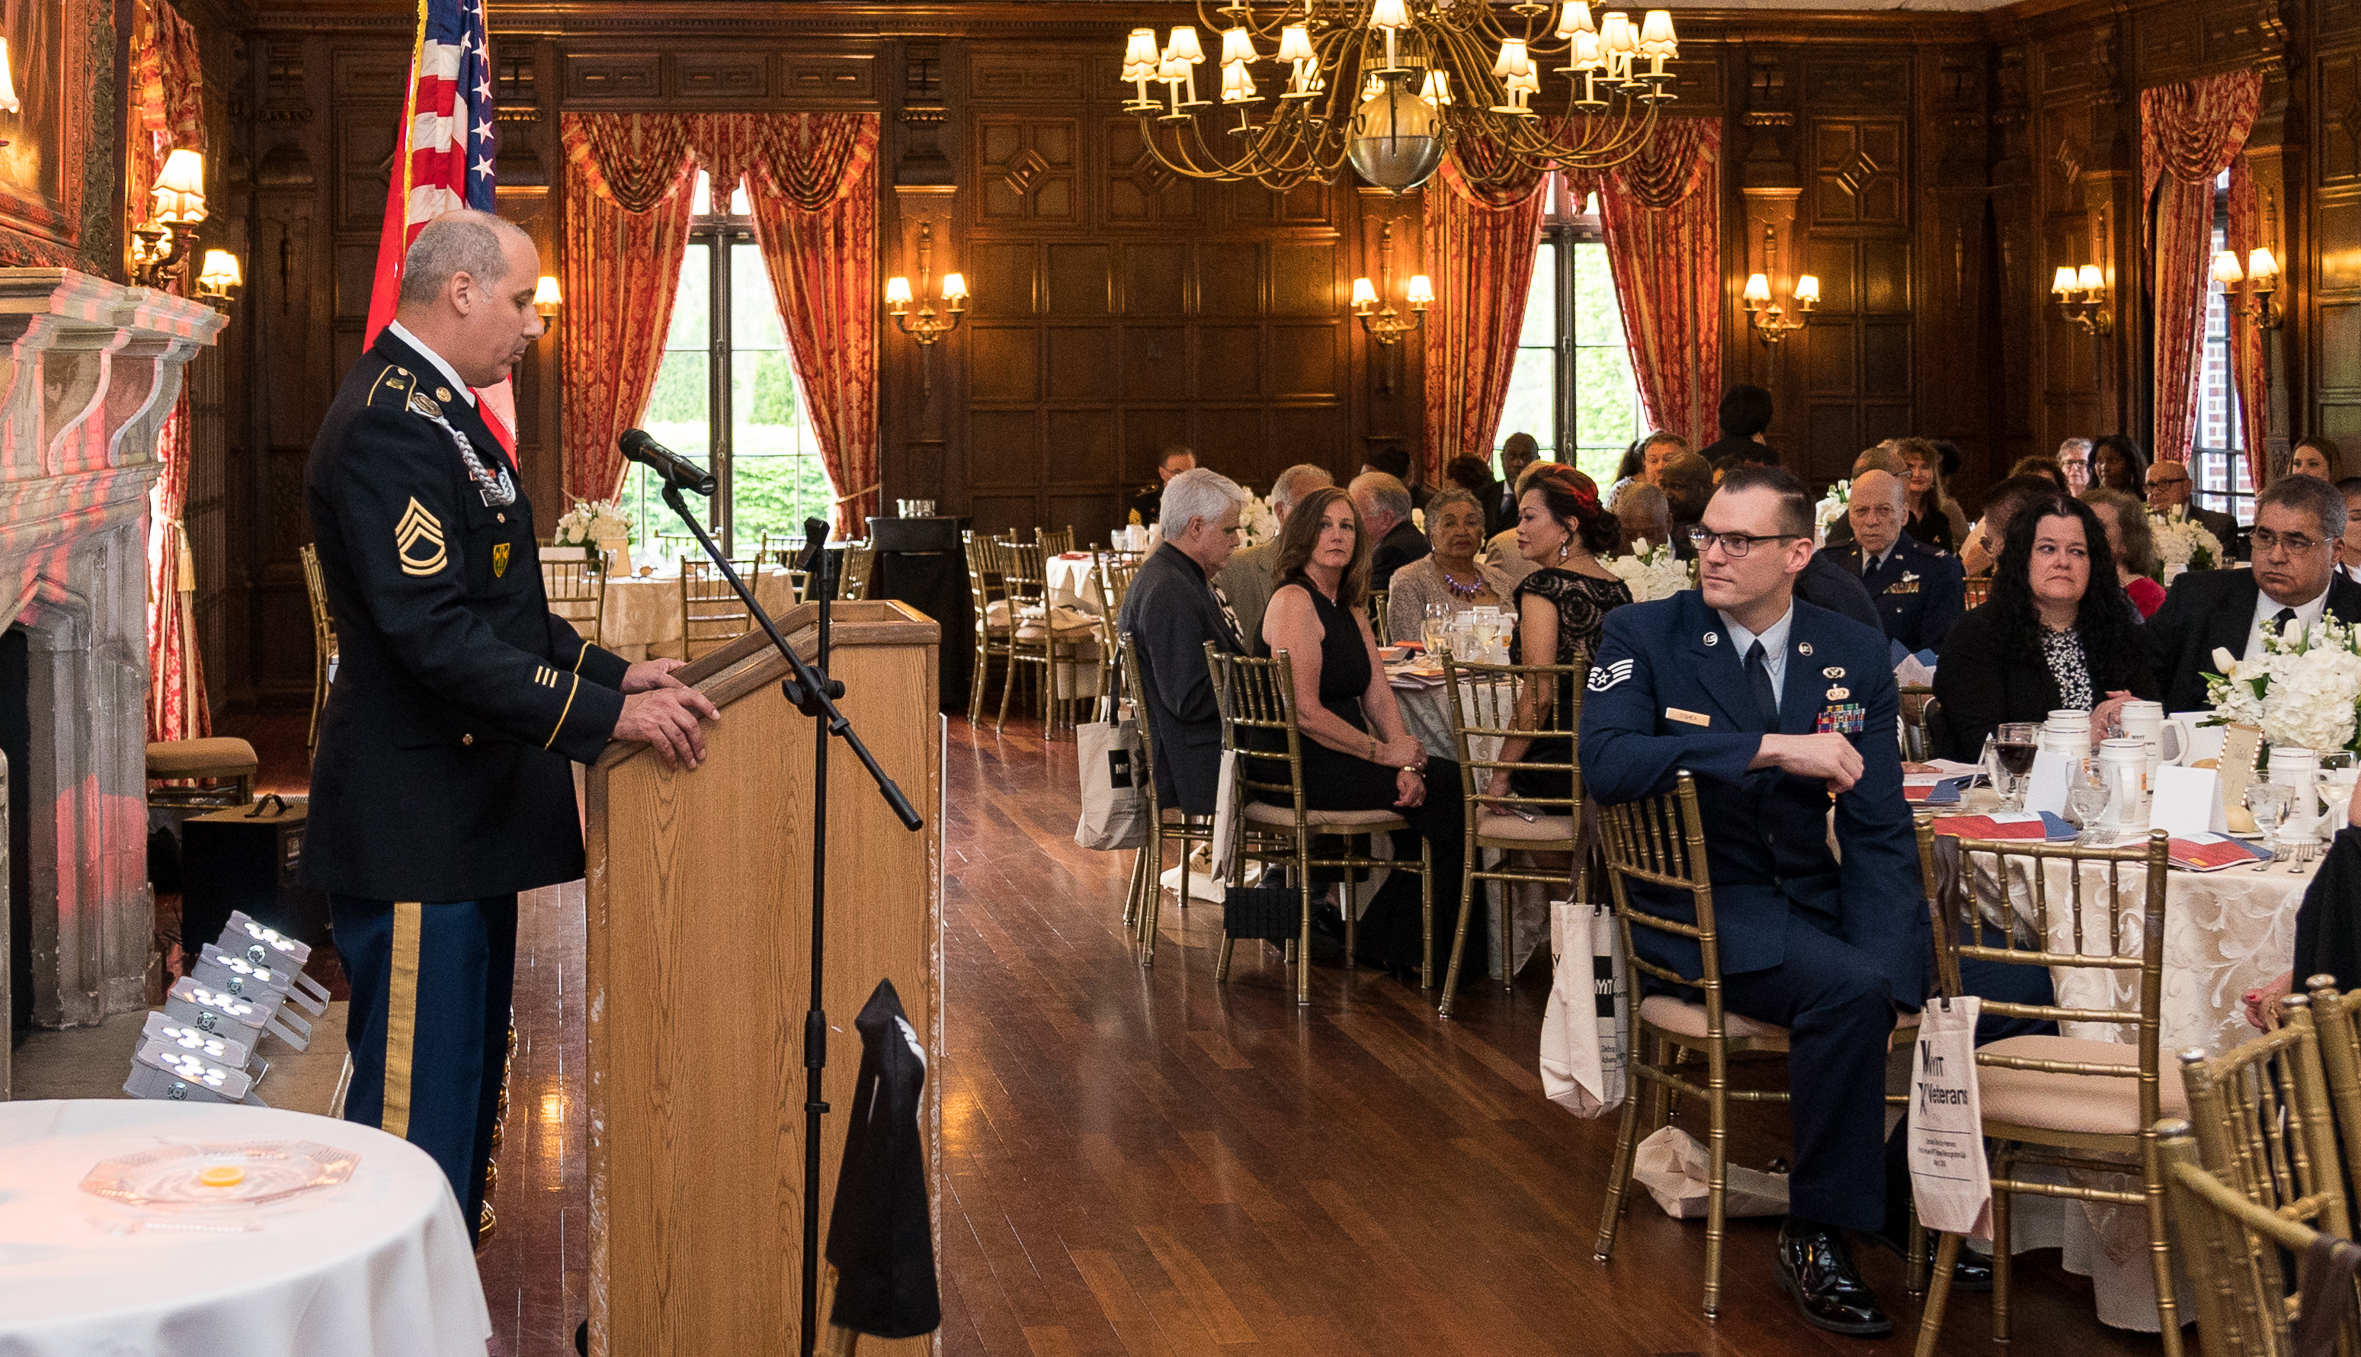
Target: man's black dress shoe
1973, 1271
1815, 1269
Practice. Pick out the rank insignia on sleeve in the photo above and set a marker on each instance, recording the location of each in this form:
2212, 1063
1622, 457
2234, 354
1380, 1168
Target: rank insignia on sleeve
499, 559
418, 531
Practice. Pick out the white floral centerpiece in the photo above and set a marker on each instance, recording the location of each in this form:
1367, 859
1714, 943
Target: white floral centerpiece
1832, 506
1257, 522
600, 524
1651, 572
2183, 541
2303, 690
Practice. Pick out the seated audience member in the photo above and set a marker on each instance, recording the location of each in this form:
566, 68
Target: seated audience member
1627, 473
2327, 924
1745, 412
1643, 515
1935, 518
1390, 459
2044, 467
1384, 507
2298, 524
1687, 483
1885, 456
2074, 464
1172, 609
2170, 487
2126, 522
2116, 463
1357, 755
1560, 609
1918, 589
2057, 633
1170, 463
1517, 452
1734, 682
1246, 580
2316, 456
1500, 550
1474, 475
1450, 573
1658, 451
1982, 547
1825, 584
2348, 551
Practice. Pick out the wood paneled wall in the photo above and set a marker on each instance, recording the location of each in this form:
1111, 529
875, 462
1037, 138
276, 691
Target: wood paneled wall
1931, 168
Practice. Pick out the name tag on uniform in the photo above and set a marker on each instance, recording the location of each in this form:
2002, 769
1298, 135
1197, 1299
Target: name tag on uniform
1687, 717
1843, 718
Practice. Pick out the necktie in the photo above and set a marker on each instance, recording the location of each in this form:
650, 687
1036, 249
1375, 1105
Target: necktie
1758, 672
2279, 623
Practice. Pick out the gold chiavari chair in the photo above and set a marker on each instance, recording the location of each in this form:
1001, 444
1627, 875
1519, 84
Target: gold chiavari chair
1258, 722
677, 544
1660, 841
2339, 1029
711, 614
1037, 640
1055, 541
994, 625
1979, 591
315, 590
1114, 581
2236, 1250
576, 592
853, 583
1377, 601
2080, 1103
1489, 703
1916, 747
781, 552
1145, 902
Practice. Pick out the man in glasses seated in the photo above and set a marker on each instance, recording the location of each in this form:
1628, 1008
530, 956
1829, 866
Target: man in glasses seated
2170, 487
2299, 524
1781, 710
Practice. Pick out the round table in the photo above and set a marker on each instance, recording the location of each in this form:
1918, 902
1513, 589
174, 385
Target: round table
642, 613
380, 1264
1072, 582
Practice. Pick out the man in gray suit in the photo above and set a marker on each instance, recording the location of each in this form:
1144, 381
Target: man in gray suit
1247, 578
1171, 610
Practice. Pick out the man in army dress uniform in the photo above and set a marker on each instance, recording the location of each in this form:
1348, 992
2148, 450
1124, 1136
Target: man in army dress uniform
441, 786
1920, 589
1149, 501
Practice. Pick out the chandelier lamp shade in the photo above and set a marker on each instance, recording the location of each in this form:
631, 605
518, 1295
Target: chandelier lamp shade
1396, 87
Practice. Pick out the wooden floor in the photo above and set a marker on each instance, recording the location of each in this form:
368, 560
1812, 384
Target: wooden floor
1140, 1163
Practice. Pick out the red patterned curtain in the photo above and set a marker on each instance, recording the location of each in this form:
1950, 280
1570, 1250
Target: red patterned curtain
1480, 241
815, 215
2246, 338
1660, 212
626, 231
2189, 134
168, 113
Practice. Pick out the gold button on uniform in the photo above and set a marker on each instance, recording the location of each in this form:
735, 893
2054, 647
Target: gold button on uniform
501, 517
442, 393
467, 738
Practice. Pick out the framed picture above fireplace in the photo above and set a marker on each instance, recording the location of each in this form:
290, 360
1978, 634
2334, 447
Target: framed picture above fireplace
51, 48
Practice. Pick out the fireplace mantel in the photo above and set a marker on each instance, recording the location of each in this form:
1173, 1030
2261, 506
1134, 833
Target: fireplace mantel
89, 373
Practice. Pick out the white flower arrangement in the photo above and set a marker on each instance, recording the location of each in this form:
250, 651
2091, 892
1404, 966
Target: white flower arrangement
591, 521
1257, 522
2183, 541
1832, 506
1651, 572
2302, 690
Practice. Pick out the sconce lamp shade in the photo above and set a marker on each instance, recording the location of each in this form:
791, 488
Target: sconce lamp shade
1807, 288
2260, 265
2225, 268
2092, 278
1421, 291
2063, 283
221, 274
955, 287
897, 292
546, 299
1758, 288
180, 189
1364, 293
7, 84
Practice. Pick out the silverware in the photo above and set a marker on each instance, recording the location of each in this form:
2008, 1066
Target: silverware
2302, 854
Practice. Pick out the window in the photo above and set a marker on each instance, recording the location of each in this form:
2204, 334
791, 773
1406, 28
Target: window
726, 395
1572, 387
2223, 480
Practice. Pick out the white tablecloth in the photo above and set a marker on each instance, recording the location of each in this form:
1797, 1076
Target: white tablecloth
380, 1264
642, 614
1073, 584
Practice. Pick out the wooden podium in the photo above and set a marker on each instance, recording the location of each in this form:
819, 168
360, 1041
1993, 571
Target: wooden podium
699, 894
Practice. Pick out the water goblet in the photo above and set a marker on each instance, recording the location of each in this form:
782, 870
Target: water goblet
2268, 801
2016, 742
1437, 630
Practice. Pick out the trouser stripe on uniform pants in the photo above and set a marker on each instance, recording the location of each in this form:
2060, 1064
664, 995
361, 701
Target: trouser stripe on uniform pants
401, 1016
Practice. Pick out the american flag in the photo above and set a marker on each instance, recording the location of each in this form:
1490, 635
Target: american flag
443, 160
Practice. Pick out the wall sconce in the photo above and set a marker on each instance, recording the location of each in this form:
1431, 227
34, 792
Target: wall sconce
8, 98
2082, 297
2261, 277
926, 327
1768, 318
156, 247
219, 279
546, 299
1373, 304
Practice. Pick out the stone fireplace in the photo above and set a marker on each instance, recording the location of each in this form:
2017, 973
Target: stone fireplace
90, 371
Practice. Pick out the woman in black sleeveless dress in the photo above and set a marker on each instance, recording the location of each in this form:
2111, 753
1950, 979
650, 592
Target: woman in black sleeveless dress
1357, 755
1561, 609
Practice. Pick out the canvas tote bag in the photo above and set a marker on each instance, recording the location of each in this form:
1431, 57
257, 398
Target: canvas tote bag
1586, 1028
1948, 1174
1113, 766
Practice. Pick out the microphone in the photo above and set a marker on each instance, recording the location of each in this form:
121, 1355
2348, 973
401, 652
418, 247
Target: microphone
676, 471
815, 537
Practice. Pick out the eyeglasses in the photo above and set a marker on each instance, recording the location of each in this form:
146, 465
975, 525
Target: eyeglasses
2160, 482
2295, 542
1734, 545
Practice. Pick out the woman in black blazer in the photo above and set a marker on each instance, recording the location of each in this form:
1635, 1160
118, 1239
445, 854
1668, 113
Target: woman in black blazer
2057, 633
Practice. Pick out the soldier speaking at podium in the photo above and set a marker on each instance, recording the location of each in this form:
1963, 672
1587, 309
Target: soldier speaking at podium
441, 786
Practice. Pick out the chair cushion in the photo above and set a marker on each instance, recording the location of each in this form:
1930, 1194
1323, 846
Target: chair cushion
218, 756
1263, 812
1545, 829
2090, 1103
1685, 1019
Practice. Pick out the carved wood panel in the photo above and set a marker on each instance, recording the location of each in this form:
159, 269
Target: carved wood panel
1858, 170
1026, 167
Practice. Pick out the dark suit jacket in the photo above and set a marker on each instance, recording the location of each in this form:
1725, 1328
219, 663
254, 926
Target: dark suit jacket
1398, 548
2209, 608
1981, 683
1498, 512
442, 765
1768, 841
1825, 584
1170, 612
1919, 590
2223, 527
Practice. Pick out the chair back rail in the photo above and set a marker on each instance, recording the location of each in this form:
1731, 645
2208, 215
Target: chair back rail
2265, 1124
711, 613
576, 593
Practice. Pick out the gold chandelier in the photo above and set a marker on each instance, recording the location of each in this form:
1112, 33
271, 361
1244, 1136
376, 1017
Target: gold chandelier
1393, 87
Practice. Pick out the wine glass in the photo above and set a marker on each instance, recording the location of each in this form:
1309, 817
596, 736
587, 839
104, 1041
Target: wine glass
1438, 631
2268, 801
2016, 742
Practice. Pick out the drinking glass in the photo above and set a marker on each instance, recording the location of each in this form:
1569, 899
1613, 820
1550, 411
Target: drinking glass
2268, 801
2086, 805
1438, 630
2016, 742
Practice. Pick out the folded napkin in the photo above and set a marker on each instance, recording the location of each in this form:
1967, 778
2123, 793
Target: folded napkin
1934, 790
2213, 852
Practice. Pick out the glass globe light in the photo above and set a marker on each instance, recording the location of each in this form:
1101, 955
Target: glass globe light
1397, 137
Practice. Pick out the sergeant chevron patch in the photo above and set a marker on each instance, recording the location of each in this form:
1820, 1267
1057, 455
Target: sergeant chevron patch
1602, 679
418, 526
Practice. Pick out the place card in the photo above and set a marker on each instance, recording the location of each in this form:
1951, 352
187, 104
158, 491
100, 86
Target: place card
2045, 786
2187, 802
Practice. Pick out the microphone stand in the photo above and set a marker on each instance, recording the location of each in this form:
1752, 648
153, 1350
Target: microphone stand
810, 691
